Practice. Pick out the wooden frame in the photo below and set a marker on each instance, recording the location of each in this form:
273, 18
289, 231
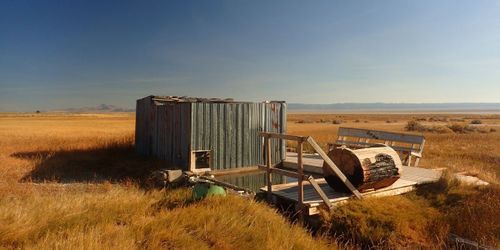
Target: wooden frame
301, 177
192, 166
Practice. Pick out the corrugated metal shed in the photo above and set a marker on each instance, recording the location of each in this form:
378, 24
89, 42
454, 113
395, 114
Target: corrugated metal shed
171, 128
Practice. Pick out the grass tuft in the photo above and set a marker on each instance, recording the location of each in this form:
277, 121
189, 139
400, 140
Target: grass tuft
477, 217
388, 222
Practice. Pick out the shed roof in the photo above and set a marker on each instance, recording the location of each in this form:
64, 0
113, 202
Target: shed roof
186, 99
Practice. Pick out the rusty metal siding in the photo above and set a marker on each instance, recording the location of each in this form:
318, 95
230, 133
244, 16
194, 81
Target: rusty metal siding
275, 121
231, 130
284, 125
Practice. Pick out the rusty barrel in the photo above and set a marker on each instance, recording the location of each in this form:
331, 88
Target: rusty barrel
368, 168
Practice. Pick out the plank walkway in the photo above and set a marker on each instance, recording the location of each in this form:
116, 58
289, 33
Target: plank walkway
410, 178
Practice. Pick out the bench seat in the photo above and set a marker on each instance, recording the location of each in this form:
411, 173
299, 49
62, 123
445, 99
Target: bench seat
407, 145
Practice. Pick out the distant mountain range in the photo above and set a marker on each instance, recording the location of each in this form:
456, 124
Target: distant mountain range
339, 107
102, 108
395, 107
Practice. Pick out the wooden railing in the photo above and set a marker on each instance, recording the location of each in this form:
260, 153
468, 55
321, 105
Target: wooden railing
301, 177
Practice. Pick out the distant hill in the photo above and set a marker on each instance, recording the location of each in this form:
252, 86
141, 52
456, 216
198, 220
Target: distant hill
449, 107
340, 107
102, 108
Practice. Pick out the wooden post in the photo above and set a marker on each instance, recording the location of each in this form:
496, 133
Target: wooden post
417, 160
421, 149
409, 160
268, 170
300, 168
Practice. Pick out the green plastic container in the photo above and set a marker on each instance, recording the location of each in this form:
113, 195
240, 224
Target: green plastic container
202, 190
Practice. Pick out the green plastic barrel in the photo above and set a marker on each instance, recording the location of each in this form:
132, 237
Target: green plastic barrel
202, 190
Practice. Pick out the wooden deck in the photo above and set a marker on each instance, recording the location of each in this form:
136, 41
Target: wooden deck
312, 163
410, 178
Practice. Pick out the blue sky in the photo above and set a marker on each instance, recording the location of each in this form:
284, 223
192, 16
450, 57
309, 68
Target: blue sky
57, 54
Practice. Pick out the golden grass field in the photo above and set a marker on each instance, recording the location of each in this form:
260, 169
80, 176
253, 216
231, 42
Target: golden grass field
434, 210
71, 182
74, 182
477, 153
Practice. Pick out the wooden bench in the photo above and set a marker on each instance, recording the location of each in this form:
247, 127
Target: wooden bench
407, 145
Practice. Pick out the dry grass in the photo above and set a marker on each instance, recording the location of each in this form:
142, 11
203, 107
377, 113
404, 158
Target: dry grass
476, 153
388, 222
416, 126
117, 217
420, 219
468, 211
73, 182
477, 217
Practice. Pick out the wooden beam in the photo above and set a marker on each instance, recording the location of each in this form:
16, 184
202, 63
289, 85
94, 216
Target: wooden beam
225, 184
380, 135
334, 167
283, 136
268, 172
300, 168
233, 171
320, 192
286, 173
281, 171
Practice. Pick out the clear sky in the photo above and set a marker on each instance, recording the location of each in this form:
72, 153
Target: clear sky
58, 54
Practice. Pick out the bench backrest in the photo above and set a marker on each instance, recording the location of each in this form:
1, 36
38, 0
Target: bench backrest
365, 137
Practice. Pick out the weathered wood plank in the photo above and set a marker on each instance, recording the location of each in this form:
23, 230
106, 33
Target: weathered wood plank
312, 199
320, 192
365, 144
380, 135
310, 163
281, 172
300, 172
268, 173
231, 171
283, 136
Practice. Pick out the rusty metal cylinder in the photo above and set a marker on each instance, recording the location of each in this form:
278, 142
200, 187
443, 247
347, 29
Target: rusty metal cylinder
367, 169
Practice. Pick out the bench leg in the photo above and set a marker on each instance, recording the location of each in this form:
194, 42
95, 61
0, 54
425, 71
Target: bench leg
416, 161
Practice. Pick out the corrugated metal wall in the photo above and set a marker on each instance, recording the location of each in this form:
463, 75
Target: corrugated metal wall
169, 130
275, 121
172, 134
163, 131
231, 130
